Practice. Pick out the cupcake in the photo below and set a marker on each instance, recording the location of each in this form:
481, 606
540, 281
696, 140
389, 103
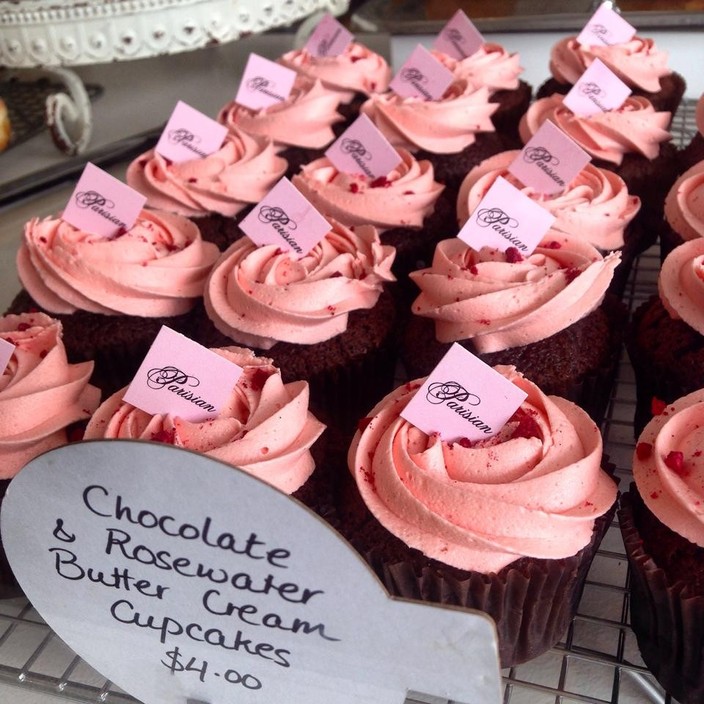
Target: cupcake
665, 340
595, 206
684, 210
215, 191
300, 127
453, 133
508, 525
112, 295
633, 141
406, 206
663, 532
493, 67
693, 152
637, 62
547, 314
326, 317
42, 397
265, 428
353, 75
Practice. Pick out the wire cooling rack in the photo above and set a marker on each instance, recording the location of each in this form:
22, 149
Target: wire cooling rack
597, 662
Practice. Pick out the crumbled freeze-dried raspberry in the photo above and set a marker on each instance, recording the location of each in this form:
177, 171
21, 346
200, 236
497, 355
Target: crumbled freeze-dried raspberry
675, 462
643, 450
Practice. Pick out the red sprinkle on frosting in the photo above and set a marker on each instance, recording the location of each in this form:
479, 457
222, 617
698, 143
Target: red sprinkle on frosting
675, 462
657, 406
513, 256
643, 450
165, 436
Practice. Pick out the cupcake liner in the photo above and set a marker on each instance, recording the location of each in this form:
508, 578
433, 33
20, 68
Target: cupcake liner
532, 601
666, 615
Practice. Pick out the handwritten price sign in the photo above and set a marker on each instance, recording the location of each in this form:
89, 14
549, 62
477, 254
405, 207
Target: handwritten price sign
182, 579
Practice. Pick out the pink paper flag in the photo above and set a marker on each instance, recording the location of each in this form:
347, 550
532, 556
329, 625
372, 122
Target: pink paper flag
463, 398
189, 134
459, 38
102, 205
606, 28
598, 89
329, 38
549, 161
7, 349
422, 76
505, 218
180, 377
264, 83
285, 217
362, 149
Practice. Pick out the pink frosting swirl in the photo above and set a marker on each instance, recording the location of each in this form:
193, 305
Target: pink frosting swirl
404, 198
241, 172
157, 268
443, 126
534, 489
304, 119
501, 301
595, 205
491, 66
265, 429
356, 70
668, 466
699, 114
636, 127
40, 392
259, 296
684, 204
637, 62
681, 283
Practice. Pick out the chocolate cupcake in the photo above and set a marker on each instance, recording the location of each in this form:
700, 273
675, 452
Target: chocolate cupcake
508, 525
548, 314
637, 62
326, 317
112, 295
42, 399
217, 191
663, 533
665, 340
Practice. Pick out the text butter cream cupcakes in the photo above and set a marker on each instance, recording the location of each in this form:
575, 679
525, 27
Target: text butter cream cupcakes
508, 525
113, 294
214, 191
325, 317
548, 314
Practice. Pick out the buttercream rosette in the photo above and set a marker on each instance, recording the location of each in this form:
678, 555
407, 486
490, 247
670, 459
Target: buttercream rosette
595, 205
637, 62
684, 205
490, 65
634, 128
445, 126
681, 284
304, 119
533, 490
241, 172
258, 296
500, 300
265, 428
357, 69
403, 198
41, 394
156, 268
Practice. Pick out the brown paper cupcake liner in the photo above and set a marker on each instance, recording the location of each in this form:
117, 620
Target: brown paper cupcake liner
667, 616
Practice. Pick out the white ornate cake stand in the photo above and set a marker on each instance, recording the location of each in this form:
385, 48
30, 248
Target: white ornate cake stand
51, 35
